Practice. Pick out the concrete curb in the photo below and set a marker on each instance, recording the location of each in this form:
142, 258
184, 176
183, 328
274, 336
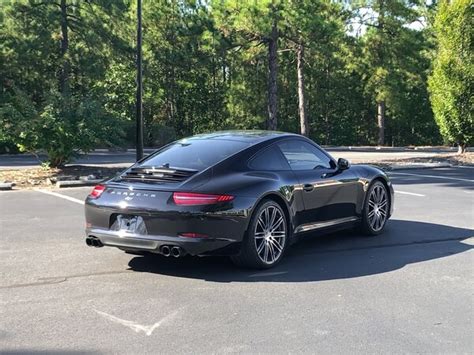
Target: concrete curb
393, 167
6, 185
419, 166
78, 183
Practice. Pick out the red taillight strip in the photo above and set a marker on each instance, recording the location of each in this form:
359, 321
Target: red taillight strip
191, 198
97, 191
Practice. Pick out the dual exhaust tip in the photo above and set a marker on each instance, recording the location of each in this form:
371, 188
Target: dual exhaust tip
175, 251
166, 250
94, 242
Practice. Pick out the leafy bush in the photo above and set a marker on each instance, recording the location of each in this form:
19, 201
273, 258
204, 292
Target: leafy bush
452, 81
65, 126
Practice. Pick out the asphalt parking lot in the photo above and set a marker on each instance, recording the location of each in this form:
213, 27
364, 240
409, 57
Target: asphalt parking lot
408, 290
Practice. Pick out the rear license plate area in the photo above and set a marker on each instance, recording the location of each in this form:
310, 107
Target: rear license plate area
129, 224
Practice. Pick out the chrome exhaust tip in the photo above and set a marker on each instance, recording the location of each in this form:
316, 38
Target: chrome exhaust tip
94, 242
176, 252
165, 250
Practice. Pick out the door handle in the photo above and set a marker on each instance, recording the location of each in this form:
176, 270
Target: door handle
308, 187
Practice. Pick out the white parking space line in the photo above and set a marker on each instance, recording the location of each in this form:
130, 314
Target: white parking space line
409, 193
433, 176
147, 329
72, 199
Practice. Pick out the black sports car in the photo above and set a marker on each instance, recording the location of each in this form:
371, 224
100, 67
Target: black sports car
247, 194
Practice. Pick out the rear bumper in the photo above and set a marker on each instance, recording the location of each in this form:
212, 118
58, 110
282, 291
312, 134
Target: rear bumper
153, 243
222, 225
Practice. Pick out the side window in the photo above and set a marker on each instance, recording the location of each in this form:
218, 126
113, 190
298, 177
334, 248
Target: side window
304, 156
269, 159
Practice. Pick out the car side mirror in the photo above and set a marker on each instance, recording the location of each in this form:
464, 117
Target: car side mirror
343, 164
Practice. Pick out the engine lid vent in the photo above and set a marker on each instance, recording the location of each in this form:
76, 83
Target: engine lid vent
158, 174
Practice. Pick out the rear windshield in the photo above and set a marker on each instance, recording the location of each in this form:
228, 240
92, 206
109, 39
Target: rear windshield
196, 154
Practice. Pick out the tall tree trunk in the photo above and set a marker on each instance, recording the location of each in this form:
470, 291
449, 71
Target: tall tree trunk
381, 121
301, 97
272, 78
64, 71
327, 89
381, 63
462, 148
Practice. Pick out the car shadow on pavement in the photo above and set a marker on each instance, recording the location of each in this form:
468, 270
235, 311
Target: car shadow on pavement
340, 255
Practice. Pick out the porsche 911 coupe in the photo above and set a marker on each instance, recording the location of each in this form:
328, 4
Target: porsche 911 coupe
246, 194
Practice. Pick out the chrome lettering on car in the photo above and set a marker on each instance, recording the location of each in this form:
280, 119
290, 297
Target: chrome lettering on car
128, 194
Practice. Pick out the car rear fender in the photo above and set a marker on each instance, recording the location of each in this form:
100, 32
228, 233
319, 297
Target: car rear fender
284, 204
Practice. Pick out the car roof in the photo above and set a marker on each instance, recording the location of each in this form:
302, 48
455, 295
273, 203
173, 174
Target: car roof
250, 136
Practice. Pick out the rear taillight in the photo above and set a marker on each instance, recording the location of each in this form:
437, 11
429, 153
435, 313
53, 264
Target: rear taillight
97, 191
190, 198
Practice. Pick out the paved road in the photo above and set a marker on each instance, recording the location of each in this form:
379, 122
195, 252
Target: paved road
22, 161
124, 159
409, 290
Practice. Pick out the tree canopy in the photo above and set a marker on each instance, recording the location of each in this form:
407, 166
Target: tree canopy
452, 80
344, 73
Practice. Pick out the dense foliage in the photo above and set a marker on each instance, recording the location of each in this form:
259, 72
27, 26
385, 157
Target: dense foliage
452, 81
324, 67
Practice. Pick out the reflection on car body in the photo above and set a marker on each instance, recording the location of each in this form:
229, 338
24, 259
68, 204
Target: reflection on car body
247, 194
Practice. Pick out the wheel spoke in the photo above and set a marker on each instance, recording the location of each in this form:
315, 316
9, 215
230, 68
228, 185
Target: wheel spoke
276, 224
278, 234
270, 234
265, 257
377, 207
374, 221
267, 218
272, 251
276, 245
272, 218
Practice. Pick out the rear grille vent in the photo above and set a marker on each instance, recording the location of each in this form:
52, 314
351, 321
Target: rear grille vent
157, 174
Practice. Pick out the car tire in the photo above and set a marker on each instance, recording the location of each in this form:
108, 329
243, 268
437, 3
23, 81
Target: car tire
266, 239
376, 209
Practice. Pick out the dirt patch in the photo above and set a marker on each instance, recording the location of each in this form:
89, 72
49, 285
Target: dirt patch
453, 159
47, 177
